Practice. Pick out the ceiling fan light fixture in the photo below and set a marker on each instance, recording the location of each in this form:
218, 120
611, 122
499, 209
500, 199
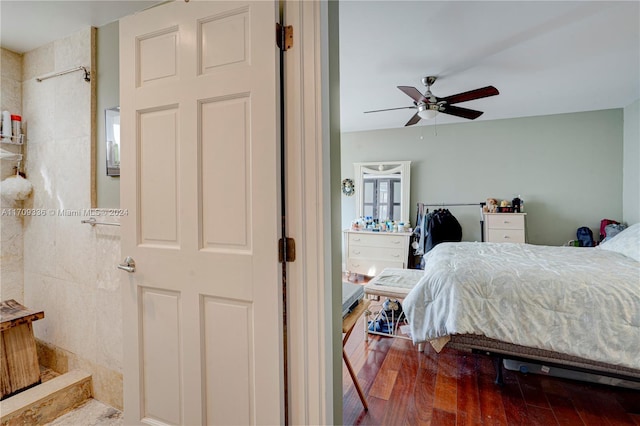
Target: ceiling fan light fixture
429, 106
427, 113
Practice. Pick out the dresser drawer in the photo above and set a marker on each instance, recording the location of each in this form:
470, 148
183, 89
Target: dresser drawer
371, 267
505, 221
376, 239
371, 252
368, 253
506, 235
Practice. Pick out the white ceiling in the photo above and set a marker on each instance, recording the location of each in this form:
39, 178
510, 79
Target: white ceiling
26, 25
544, 57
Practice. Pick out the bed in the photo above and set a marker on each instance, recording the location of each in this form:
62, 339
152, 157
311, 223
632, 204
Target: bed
567, 306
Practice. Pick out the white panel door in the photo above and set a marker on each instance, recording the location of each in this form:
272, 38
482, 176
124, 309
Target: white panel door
198, 92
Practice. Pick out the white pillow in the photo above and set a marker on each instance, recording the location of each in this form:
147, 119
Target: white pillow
626, 242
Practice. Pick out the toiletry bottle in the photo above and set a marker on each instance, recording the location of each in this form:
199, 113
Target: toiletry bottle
16, 126
6, 124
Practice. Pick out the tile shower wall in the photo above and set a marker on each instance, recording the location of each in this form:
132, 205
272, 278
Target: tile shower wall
69, 267
11, 242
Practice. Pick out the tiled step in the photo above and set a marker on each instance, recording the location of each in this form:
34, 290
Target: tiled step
48, 400
92, 412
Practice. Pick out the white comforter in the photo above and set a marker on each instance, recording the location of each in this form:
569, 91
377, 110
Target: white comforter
579, 301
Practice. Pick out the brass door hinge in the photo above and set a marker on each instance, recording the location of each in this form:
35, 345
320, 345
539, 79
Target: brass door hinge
291, 250
284, 37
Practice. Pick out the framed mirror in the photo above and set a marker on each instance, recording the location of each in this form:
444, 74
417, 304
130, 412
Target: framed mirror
382, 189
112, 140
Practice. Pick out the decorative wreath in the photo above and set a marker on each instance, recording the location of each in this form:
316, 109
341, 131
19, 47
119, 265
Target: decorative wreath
347, 187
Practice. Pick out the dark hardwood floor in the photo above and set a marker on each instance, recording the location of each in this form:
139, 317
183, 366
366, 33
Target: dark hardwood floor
405, 387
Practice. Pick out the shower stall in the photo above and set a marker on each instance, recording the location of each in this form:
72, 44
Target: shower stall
49, 260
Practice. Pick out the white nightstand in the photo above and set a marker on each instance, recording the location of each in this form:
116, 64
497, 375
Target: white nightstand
504, 227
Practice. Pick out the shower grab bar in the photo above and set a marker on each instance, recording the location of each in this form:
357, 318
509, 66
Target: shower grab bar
93, 222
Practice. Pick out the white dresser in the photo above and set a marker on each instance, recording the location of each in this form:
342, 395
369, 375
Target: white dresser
368, 253
504, 227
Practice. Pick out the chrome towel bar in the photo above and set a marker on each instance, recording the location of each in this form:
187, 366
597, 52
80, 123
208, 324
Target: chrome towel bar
87, 74
93, 222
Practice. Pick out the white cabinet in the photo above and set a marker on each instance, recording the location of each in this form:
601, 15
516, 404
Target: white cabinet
504, 227
368, 253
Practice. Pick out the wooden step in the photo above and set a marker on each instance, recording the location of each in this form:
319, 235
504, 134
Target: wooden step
47, 401
19, 360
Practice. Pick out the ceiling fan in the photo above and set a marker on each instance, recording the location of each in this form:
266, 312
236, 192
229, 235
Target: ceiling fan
429, 106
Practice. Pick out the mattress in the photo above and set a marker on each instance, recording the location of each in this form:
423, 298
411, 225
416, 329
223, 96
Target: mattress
352, 294
576, 301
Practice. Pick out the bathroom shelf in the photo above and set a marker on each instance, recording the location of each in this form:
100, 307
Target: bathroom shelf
13, 140
9, 156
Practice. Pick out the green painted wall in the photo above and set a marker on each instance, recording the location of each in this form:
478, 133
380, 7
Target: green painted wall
631, 164
331, 99
567, 168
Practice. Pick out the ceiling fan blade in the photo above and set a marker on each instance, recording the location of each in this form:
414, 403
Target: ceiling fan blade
471, 95
413, 120
390, 109
413, 93
471, 114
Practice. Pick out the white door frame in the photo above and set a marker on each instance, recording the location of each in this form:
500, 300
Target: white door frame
313, 194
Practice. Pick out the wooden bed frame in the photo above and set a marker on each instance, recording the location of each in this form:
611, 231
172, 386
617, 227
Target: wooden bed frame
500, 350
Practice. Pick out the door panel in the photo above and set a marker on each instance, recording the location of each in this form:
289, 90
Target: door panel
160, 318
157, 56
225, 149
199, 178
234, 27
228, 402
158, 169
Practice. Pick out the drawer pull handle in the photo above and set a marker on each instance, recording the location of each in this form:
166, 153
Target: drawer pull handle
396, 242
396, 255
506, 221
356, 252
506, 237
357, 265
356, 239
